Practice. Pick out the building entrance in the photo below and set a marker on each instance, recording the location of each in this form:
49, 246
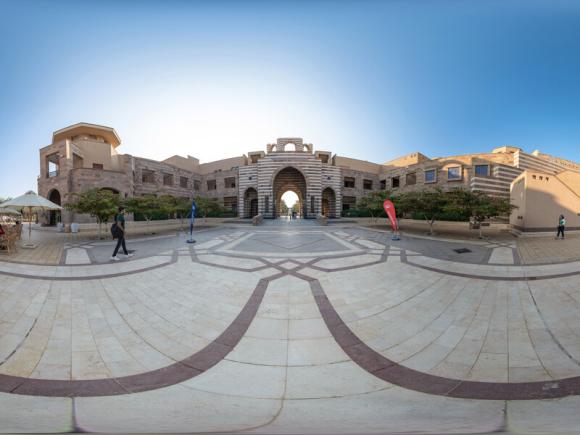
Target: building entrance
290, 205
251, 203
290, 179
54, 215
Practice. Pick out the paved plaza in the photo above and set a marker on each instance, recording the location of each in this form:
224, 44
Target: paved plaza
290, 327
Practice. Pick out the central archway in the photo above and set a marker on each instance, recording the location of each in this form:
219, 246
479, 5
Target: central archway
289, 179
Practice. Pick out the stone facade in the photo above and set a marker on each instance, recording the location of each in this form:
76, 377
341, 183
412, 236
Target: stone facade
84, 156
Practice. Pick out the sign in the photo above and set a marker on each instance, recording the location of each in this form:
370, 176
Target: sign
390, 210
193, 207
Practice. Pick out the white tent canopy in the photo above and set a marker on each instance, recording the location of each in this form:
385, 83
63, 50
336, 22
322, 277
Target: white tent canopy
30, 203
6, 210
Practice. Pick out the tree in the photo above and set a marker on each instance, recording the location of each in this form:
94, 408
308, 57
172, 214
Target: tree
101, 204
167, 205
283, 208
147, 206
428, 203
182, 208
478, 205
372, 203
205, 206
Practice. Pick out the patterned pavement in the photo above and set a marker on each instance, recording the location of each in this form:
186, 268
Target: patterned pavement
290, 328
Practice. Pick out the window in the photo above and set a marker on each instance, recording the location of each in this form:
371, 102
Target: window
211, 185
395, 182
324, 158
482, 170
254, 158
383, 184
454, 173
230, 182
97, 166
431, 176
312, 205
52, 165
78, 161
168, 179
147, 176
411, 179
183, 182
348, 182
196, 184
267, 204
367, 184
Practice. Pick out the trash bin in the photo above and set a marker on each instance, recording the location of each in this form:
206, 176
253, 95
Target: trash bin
74, 227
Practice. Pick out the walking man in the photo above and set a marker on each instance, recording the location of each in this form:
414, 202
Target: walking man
119, 234
561, 226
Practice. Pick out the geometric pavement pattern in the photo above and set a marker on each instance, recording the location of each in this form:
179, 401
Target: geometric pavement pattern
289, 310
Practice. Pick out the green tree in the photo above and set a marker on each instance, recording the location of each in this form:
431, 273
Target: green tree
284, 208
182, 208
167, 206
428, 203
478, 205
372, 203
205, 206
101, 204
147, 206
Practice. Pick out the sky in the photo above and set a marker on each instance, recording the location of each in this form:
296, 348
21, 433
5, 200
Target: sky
371, 80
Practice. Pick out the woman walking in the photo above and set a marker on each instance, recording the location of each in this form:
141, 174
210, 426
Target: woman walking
561, 226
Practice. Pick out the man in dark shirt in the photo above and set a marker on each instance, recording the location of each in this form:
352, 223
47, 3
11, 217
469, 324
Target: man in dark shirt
120, 234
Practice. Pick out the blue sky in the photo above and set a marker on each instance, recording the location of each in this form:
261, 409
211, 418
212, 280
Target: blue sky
366, 79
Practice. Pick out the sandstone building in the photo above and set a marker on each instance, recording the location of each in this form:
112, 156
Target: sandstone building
84, 156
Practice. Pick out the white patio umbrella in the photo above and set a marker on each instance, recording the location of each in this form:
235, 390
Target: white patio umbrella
6, 210
30, 202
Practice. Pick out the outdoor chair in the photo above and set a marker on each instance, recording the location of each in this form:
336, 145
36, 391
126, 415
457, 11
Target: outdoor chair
8, 241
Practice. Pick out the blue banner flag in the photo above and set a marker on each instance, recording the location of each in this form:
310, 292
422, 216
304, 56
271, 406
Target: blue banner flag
193, 207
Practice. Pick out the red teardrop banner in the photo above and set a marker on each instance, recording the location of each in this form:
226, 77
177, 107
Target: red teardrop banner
390, 210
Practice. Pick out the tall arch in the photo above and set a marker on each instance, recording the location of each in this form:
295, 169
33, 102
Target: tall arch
289, 178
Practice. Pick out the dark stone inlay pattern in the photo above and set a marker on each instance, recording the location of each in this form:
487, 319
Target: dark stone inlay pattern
175, 373
397, 374
172, 260
358, 351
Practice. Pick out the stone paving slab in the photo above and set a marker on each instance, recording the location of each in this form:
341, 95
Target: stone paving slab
363, 334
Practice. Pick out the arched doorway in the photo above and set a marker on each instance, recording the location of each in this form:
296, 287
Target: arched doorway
54, 215
291, 179
329, 203
289, 205
250, 203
